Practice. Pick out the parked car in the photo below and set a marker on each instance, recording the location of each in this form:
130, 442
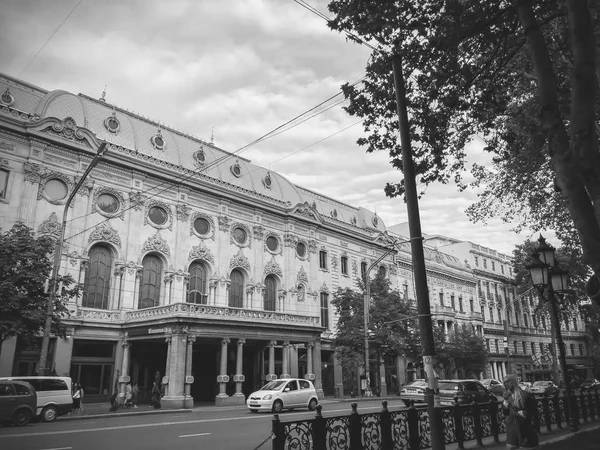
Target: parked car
18, 402
288, 393
495, 386
544, 387
54, 396
590, 383
415, 391
464, 390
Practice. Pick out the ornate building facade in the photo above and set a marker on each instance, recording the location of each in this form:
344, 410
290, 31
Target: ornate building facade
200, 270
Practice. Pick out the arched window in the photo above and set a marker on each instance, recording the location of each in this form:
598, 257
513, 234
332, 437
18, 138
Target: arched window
196, 291
150, 282
97, 278
236, 289
270, 294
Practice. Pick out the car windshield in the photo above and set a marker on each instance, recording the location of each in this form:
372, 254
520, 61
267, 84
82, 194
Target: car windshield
447, 386
416, 383
541, 383
274, 385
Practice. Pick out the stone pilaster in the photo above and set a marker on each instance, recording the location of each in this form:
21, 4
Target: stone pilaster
239, 377
318, 373
285, 357
189, 379
176, 362
223, 378
294, 360
124, 378
271, 375
310, 371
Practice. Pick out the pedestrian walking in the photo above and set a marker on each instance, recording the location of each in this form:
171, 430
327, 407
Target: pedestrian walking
135, 392
76, 398
155, 399
521, 409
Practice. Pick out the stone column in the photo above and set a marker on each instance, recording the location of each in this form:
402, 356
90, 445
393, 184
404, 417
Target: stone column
310, 374
175, 372
223, 378
165, 380
317, 367
285, 371
124, 378
117, 290
445, 328
168, 283
239, 378
189, 379
294, 360
271, 375
212, 291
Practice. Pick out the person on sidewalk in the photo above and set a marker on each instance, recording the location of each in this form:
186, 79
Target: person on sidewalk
76, 398
156, 394
135, 392
520, 410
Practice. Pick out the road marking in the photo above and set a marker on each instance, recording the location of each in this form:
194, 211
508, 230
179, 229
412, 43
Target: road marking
160, 424
192, 435
60, 448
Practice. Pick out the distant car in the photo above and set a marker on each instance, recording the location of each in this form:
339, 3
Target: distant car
286, 393
590, 383
494, 386
18, 402
525, 385
415, 391
465, 390
544, 387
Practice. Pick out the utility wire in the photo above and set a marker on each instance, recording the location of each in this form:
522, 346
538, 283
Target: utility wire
48, 40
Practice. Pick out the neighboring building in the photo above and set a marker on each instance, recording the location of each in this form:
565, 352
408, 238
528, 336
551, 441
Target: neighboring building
200, 270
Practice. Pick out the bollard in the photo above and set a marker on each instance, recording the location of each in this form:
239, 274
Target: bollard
277, 430
414, 440
319, 431
494, 417
355, 429
386, 428
458, 424
476, 408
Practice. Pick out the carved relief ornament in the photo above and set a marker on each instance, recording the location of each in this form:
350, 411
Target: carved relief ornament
272, 268
202, 253
239, 261
302, 277
50, 226
182, 211
137, 200
156, 243
224, 223
105, 233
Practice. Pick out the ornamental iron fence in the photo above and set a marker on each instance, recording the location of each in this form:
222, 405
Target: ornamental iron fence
410, 428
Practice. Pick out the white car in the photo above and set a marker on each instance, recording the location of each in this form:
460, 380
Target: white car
287, 393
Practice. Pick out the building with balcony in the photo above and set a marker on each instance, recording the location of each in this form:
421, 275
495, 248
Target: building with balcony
201, 270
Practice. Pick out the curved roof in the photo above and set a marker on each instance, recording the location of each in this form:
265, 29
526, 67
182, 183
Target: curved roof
136, 133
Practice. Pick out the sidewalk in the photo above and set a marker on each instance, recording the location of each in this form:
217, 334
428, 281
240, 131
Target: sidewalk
96, 410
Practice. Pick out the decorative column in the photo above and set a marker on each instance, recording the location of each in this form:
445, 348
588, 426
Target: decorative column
124, 378
285, 371
168, 282
223, 378
310, 374
445, 328
189, 379
117, 291
212, 291
294, 360
239, 378
318, 374
271, 375
165, 380
175, 371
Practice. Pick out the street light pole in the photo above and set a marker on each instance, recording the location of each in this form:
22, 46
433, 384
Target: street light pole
42, 369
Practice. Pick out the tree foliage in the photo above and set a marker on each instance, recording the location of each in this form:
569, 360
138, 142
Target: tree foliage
520, 74
25, 266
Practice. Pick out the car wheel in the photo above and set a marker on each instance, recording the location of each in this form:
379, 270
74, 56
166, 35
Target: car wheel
312, 405
21, 417
254, 410
49, 414
277, 406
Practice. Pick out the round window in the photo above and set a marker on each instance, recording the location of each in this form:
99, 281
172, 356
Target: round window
272, 243
201, 226
56, 189
113, 124
158, 140
236, 170
108, 203
157, 215
239, 235
301, 249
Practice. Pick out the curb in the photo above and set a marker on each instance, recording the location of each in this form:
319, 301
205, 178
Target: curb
567, 436
123, 414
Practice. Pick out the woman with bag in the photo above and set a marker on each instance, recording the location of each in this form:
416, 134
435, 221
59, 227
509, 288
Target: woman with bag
155, 399
76, 397
520, 415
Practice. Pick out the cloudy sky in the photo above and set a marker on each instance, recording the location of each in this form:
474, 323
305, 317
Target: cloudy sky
243, 67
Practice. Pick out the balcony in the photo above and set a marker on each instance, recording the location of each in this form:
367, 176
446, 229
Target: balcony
194, 311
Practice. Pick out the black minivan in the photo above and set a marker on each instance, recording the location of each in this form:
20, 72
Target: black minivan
465, 390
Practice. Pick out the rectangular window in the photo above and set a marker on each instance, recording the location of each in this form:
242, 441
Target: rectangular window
502, 269
515, 347
491, 314
325, 309
460, 304
533, 348
344, 263
525, 320
575, 324
477, 261
581, 349
323, 260
487, 345
525, 347
493, 265
452, 302
441, 294
572, 349
497, 346
517, 319
3, 183
484, 263
471, 307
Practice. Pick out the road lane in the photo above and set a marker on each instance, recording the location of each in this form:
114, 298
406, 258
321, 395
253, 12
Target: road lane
215, 429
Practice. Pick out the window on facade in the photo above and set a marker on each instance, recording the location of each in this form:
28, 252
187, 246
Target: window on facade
236, 289
517, 319
460, 304
441, 295
502, 269
452, 302
491, 314
150, 282
56, 189
581, 350
344, 265
323, 259
471, 305
500, 315
525, 347
382, 272
484, 263
97, 278
363, 270
566, 321
239, 235
477, 261
544, 322
487, 345
325, 309
270, 293
405, 290
3, 183
196, 289
515, 346
572, 349
493, 265
158, 215
497, 346
301, 249
575, 324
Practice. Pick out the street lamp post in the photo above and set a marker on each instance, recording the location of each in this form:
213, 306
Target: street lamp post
43, 362
545, 273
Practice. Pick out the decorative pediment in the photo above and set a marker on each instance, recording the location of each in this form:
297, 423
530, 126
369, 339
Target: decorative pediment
50, 226
202, 253
324, 288
306, 210
105, 233
302, 277
66, 129
239, 261
156, 243
272, 268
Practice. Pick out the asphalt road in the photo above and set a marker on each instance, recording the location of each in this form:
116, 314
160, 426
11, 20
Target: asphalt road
214, 429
